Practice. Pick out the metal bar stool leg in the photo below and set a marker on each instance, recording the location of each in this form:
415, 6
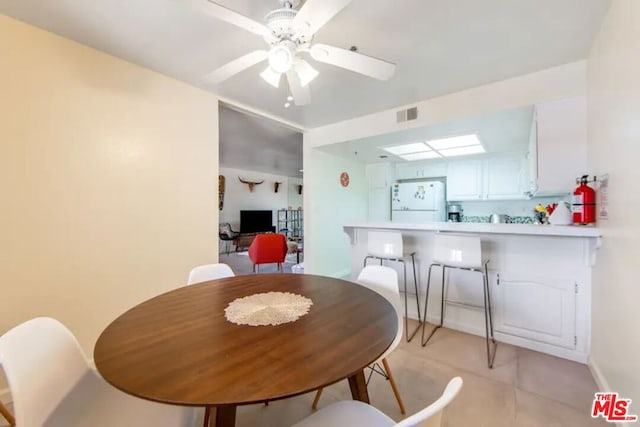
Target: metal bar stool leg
488, 321
408, 336
426, 307
415, 286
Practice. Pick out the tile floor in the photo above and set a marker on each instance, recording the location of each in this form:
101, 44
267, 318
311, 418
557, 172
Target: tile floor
525, 388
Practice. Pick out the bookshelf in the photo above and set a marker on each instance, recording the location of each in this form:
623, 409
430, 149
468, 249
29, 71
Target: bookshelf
291, 223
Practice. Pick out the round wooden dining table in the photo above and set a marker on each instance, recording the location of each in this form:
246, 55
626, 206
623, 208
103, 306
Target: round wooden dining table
179, 348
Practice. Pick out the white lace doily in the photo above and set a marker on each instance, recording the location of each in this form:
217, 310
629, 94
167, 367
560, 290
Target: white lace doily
270, 308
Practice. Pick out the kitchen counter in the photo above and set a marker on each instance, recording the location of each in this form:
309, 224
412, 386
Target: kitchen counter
468, 227
539, 275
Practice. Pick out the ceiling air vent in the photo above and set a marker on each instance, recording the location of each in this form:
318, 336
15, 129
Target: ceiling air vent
406, 115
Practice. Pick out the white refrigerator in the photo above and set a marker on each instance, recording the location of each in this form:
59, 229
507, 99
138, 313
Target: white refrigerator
417, 202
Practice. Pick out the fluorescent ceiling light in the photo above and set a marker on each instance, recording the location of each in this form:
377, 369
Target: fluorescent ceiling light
415, 147
420, 156
461, 151
271, 76
453, 142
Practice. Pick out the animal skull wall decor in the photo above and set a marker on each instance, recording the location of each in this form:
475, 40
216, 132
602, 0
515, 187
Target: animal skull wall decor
251, 184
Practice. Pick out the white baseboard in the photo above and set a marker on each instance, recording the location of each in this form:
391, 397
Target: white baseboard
601, 381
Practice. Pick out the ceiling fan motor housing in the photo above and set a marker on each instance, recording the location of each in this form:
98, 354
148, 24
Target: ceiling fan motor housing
280, 22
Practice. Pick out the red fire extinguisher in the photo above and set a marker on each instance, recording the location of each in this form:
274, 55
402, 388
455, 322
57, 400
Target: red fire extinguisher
584, 202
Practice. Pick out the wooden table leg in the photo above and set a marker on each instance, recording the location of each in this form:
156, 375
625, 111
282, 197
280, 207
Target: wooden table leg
7, 415
358, 386
225, 416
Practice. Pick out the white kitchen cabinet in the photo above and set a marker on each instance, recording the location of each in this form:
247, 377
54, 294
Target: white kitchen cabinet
561, 150
414, 170
542, 309
499, 177
464, 180
380, 175
505, 178
531, 170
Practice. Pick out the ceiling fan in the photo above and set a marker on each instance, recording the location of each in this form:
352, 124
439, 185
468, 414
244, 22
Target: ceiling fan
289, 32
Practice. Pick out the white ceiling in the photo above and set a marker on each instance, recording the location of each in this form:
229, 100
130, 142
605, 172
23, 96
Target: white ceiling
439, 46
257, 144
503, 131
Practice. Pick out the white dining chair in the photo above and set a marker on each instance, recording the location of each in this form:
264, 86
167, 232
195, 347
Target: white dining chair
53, 385
383, 280
355, 413
204, 273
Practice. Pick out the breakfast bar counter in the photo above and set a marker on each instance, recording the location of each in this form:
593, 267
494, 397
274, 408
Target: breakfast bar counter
476, 227
540, 280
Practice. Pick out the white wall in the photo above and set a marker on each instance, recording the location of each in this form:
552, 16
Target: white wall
238, 197
554, 83
108, 176
614, 148
324, 199
329, 205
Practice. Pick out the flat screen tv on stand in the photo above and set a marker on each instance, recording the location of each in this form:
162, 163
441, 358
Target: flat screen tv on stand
256, 222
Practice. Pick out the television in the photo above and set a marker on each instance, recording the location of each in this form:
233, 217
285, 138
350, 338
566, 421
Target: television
256, 221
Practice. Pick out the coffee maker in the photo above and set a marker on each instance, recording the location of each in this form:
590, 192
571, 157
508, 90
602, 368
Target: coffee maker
454, 213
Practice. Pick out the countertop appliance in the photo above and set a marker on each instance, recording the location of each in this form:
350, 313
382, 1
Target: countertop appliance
454, 212
416, 202
498, 218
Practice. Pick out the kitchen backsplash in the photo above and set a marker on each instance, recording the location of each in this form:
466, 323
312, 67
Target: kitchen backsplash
509, 219
517, 211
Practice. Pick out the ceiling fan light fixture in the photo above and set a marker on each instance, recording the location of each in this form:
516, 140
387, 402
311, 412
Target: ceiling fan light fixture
306, 72
271, 76
281, 57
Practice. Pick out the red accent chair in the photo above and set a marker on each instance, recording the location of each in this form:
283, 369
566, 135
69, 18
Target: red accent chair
268, 249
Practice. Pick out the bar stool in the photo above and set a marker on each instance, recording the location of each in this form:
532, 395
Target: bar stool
464, 253
387, 246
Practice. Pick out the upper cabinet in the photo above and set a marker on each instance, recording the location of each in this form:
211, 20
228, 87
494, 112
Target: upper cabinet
380, 175
505, 177
428, 169
499, 177
561, 145
464, 180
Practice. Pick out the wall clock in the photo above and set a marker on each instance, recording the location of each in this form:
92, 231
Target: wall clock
344, 179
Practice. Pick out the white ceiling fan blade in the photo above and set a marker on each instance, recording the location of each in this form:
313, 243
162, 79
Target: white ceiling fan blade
316, 13
237, 65
363, 64
230, 16
301, 94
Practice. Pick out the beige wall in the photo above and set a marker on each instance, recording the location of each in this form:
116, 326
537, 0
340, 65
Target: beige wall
108, 177
614, 148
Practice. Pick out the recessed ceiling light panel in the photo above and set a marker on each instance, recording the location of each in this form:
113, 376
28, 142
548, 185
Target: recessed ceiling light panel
456, 141
461, 151
415, 147
420, 156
